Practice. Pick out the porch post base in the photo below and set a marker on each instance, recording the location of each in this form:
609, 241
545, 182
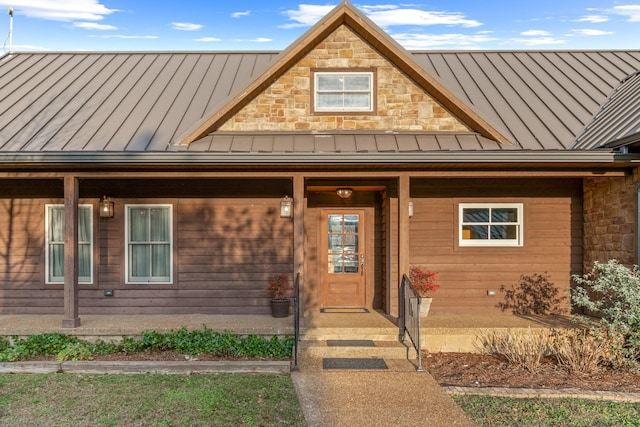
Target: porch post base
71, 323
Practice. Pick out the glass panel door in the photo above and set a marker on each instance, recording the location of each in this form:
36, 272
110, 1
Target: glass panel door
343, 243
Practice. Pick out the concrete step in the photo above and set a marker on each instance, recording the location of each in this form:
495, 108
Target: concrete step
375, 334
354, 348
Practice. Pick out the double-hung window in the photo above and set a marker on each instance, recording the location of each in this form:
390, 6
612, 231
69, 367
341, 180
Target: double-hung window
490, 224
54, 258
149, 243
343, 91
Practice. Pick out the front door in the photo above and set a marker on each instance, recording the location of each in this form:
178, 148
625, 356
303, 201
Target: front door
343, 258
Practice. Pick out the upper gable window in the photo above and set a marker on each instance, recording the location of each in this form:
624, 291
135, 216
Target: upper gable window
343, 91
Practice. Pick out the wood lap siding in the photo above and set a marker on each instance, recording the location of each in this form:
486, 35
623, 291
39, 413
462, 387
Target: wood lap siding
552, 238
22, 288
224, 250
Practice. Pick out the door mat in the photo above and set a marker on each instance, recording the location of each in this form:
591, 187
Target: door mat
350, 343
344, 310
349, 363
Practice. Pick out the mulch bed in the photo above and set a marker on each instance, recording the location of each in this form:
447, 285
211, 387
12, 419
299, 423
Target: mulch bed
479, 370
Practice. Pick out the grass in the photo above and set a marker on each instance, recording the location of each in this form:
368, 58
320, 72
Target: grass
498, 411
149, 400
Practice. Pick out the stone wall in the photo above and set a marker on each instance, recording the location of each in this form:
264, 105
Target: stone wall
286, 104
610, 219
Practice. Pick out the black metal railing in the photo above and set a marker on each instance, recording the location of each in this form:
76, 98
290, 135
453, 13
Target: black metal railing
410, 316
296, 320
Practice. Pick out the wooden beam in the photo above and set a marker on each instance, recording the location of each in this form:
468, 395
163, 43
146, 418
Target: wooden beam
71, 190
298, 233
403, 230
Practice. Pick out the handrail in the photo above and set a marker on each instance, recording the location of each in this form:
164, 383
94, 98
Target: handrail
296, 320
410, 316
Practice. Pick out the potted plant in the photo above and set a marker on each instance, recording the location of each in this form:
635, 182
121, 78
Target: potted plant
279, 287
424, 282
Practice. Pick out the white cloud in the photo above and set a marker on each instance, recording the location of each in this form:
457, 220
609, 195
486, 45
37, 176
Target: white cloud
186, 26
256, 40
240, 14
207, 39
60, 10
94, 26
26, 47
535, 33
535, 41
594, 19
306, 15
631, 11
388, 18
429, 41
384, 15
122, 36
590, 32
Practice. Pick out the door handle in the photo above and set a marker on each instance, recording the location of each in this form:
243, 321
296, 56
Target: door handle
362, 268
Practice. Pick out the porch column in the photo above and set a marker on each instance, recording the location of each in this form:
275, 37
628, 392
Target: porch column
403, 234
71, 319
298, 232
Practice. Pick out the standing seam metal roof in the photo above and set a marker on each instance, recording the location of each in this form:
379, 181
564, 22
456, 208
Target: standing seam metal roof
139, 102
618, 119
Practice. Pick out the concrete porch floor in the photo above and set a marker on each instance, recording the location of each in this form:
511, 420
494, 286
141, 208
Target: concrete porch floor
439, 330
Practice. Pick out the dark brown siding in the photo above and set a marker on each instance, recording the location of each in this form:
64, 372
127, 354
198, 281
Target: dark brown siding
552, 238
224, 252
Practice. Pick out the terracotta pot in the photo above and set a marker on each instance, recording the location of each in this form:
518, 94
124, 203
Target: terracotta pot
425, 305
280, 307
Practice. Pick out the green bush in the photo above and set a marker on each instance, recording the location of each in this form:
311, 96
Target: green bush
182, 341
75, 351
612, 292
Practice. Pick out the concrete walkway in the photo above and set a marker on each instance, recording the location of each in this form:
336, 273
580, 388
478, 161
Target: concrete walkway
375, 398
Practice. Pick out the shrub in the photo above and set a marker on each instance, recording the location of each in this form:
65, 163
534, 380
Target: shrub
534, 294
581, 351
182, 341
521, 350
75, 351
612, 291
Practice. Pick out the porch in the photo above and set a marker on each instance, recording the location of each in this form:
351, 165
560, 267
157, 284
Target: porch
441, 332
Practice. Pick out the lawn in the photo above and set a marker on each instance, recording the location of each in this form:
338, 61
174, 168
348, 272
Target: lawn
495, 412
149, 400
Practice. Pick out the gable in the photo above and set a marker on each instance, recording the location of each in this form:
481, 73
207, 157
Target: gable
345, 14
400, 104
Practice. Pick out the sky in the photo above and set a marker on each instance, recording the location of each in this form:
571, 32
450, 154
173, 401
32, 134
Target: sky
187, 25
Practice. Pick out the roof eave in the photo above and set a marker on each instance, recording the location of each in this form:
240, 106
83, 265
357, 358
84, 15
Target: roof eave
283, 159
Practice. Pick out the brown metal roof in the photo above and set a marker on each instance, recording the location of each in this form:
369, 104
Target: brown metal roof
342, 143
618, 121
140, 102
540, 100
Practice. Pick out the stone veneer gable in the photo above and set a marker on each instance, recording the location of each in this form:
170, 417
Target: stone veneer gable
401, 104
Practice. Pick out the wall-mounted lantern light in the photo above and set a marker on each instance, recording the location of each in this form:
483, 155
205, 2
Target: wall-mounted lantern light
106, 207
286, 207
344, 193
410, 208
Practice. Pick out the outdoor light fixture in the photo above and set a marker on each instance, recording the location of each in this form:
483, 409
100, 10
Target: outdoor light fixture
410, 208
106, 207
344, 193
286, 205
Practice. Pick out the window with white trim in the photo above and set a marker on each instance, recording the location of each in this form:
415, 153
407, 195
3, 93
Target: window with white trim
343, 91
490, 224
149, 243
54, 257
